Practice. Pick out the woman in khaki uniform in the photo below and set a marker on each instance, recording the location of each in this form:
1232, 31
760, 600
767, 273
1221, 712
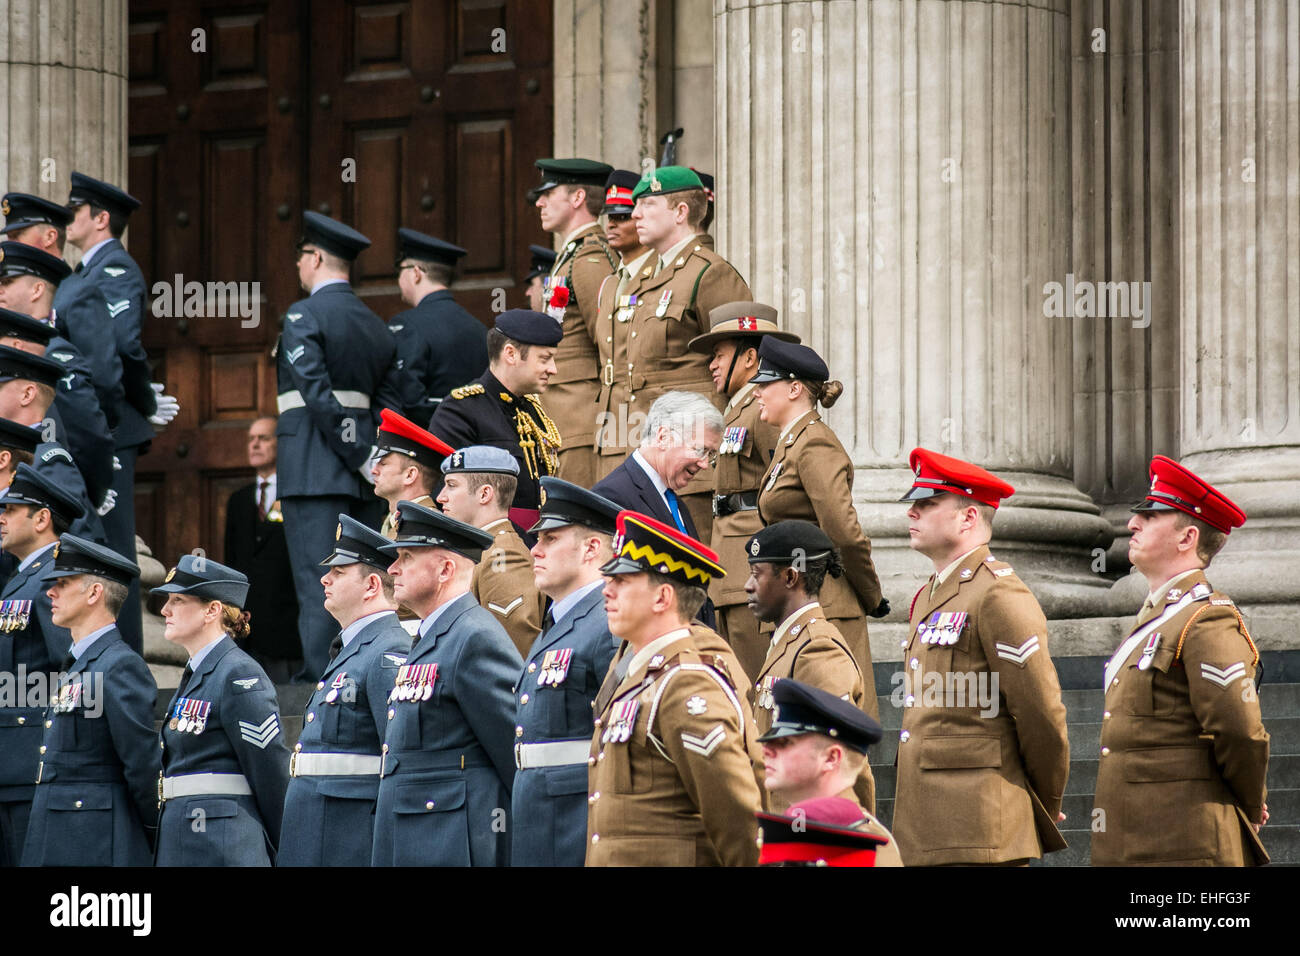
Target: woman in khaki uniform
810, 478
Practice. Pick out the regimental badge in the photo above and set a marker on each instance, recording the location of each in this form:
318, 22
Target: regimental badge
4, 207
966, 572
696, 706
747, 323
764, 696
1174, 595
942, 628
414, 682
622, 719
170, 574
1149, 651
555, 667
541, 495
754, 547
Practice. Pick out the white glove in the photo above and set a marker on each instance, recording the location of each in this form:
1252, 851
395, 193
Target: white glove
168, 407
117, 463
368, 464
107, 505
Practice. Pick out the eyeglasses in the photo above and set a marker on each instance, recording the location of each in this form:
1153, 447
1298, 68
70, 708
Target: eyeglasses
701, 453
620, 217
305, 252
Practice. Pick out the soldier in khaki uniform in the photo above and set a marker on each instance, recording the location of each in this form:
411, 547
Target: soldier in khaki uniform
812, 754
569, 199
1184, 753
982, 756
614, 307
788, 561
406, 465
679, 286
810, 478
477, 483
672, 765
732, 342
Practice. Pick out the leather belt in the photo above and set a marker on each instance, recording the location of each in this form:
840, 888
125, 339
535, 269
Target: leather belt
724, 505
287, 401
328, 765
203, 784
552, 753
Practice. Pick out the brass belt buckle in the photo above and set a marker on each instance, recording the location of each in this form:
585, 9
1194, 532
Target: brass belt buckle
293, 764
607, 375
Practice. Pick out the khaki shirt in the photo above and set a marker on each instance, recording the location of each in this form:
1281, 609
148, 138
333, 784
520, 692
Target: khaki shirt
503, 583
1184, 753
981, 782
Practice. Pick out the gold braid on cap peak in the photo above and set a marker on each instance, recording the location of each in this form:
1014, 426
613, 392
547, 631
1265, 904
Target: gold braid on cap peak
638, 552
535, 440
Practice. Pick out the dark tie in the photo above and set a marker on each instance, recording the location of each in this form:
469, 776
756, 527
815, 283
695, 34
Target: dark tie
336, 645
548, 622
675, 507
68, 662
262, 484
185, 678
78, 269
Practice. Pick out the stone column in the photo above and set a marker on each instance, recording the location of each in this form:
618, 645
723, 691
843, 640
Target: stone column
62, 93
1240, 248
896, 179
1124, 134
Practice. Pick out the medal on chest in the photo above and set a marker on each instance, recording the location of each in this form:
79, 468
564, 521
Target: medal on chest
69, 697
555, 667
942, 628
764, 687
626, 308
189, 715
414, 682
662, 309
1149, 651
14, 615
733, 439
622, 718
775, 473
340, 679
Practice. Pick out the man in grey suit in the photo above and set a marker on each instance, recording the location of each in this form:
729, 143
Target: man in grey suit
447, 761
561, 676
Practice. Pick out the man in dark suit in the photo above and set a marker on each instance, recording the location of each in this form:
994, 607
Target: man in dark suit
255, 545
33, 513
682, 434
440, 344
336, 367
447, 768
562, 673
99, 215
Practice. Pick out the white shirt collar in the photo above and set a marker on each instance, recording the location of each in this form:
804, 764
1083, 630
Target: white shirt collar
1157, 596
427, 624
660, 485
567, 603
25, 563
785, 625
90, 253
643, 656
355, 628
635, 265
324, 282
80, 647
673, 252
204, 651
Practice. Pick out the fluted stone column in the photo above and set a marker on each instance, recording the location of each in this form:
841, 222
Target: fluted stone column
1124, 113
1240, 354
895, 177
63, 79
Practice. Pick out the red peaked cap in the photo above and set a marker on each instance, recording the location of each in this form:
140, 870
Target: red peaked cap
407, 438
818, 831
1174, 488
936, 474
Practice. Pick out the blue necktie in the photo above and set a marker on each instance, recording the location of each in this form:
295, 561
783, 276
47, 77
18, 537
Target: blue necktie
675, 509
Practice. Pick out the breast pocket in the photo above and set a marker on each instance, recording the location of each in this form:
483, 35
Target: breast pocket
1152, 691
660, 331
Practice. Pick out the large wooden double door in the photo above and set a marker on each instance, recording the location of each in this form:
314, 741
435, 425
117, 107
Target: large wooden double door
426, 114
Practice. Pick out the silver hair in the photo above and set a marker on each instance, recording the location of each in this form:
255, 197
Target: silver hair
681, 413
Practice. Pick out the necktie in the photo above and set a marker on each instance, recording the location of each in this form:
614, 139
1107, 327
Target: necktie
262, 484
675, 508
79, 265
624, 280
68, 661
336, 645
185, 678
548, 621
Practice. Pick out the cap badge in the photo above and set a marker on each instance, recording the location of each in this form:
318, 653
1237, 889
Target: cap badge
4, 207
338, 531
696, 706
541, 496
654, 183
747, 323
170, 574
754, 547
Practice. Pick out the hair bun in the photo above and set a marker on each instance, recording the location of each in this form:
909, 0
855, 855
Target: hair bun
831, 392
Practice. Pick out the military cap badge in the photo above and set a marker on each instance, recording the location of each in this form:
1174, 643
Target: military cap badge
4, 207
338, 531
170, 574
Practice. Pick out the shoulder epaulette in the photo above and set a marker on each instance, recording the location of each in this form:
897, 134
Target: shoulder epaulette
465, 391
1218, 600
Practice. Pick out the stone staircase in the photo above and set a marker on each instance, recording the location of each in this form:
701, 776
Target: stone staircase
1280, 703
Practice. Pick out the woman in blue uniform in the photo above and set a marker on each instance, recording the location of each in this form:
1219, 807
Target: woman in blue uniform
224, 764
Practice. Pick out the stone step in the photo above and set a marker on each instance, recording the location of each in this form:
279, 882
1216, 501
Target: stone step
1279, 700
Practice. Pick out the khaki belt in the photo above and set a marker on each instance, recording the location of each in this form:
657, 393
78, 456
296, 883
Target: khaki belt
287, 401
553, 753
328, 765
203, 784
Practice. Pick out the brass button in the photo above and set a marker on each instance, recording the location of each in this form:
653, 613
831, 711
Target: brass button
1105, 715
531, 668
78, 804
904, 737
320, 685
384, 749
597, 721
429, 805
591, 761
519, 731
49, 723
22, 720
311, 717
595, 838
914, 663
1105, 751
910, 701
297, 748
902, 644
524, 699
42, 748
601, 755
391, 713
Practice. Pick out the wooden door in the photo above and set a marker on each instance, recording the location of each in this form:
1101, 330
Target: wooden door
443, 116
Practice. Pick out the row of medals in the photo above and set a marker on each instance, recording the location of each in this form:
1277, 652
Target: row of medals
414, 682
191, 723
14, 615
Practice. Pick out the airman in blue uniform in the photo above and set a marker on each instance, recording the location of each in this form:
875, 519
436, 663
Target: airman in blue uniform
447, 767
33, 513
96, 798
440, 344
99, 216
336, 367
560, 678
329, 810
224, 764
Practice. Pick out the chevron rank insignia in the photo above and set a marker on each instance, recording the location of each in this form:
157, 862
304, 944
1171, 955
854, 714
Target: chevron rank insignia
504, 611
116, 308
114, 271
260, 735
1222, 676
1018, 655
704, 746
696, 706
295, 353
248, 683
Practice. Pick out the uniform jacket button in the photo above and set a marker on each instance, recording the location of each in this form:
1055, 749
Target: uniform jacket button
42, 748
429, 805
1105, 715
391, 713
597, 721
519, 731
902, 644
601, 755
914, 663
524, 699
531, 668
22, 720
49, 723
591, 761
320, 685
595, 838
78, 804
905, 736
910, 701
297, 747
1105, 751
311, 717
384, 749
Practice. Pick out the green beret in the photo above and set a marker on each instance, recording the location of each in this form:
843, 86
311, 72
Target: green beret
666, 179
